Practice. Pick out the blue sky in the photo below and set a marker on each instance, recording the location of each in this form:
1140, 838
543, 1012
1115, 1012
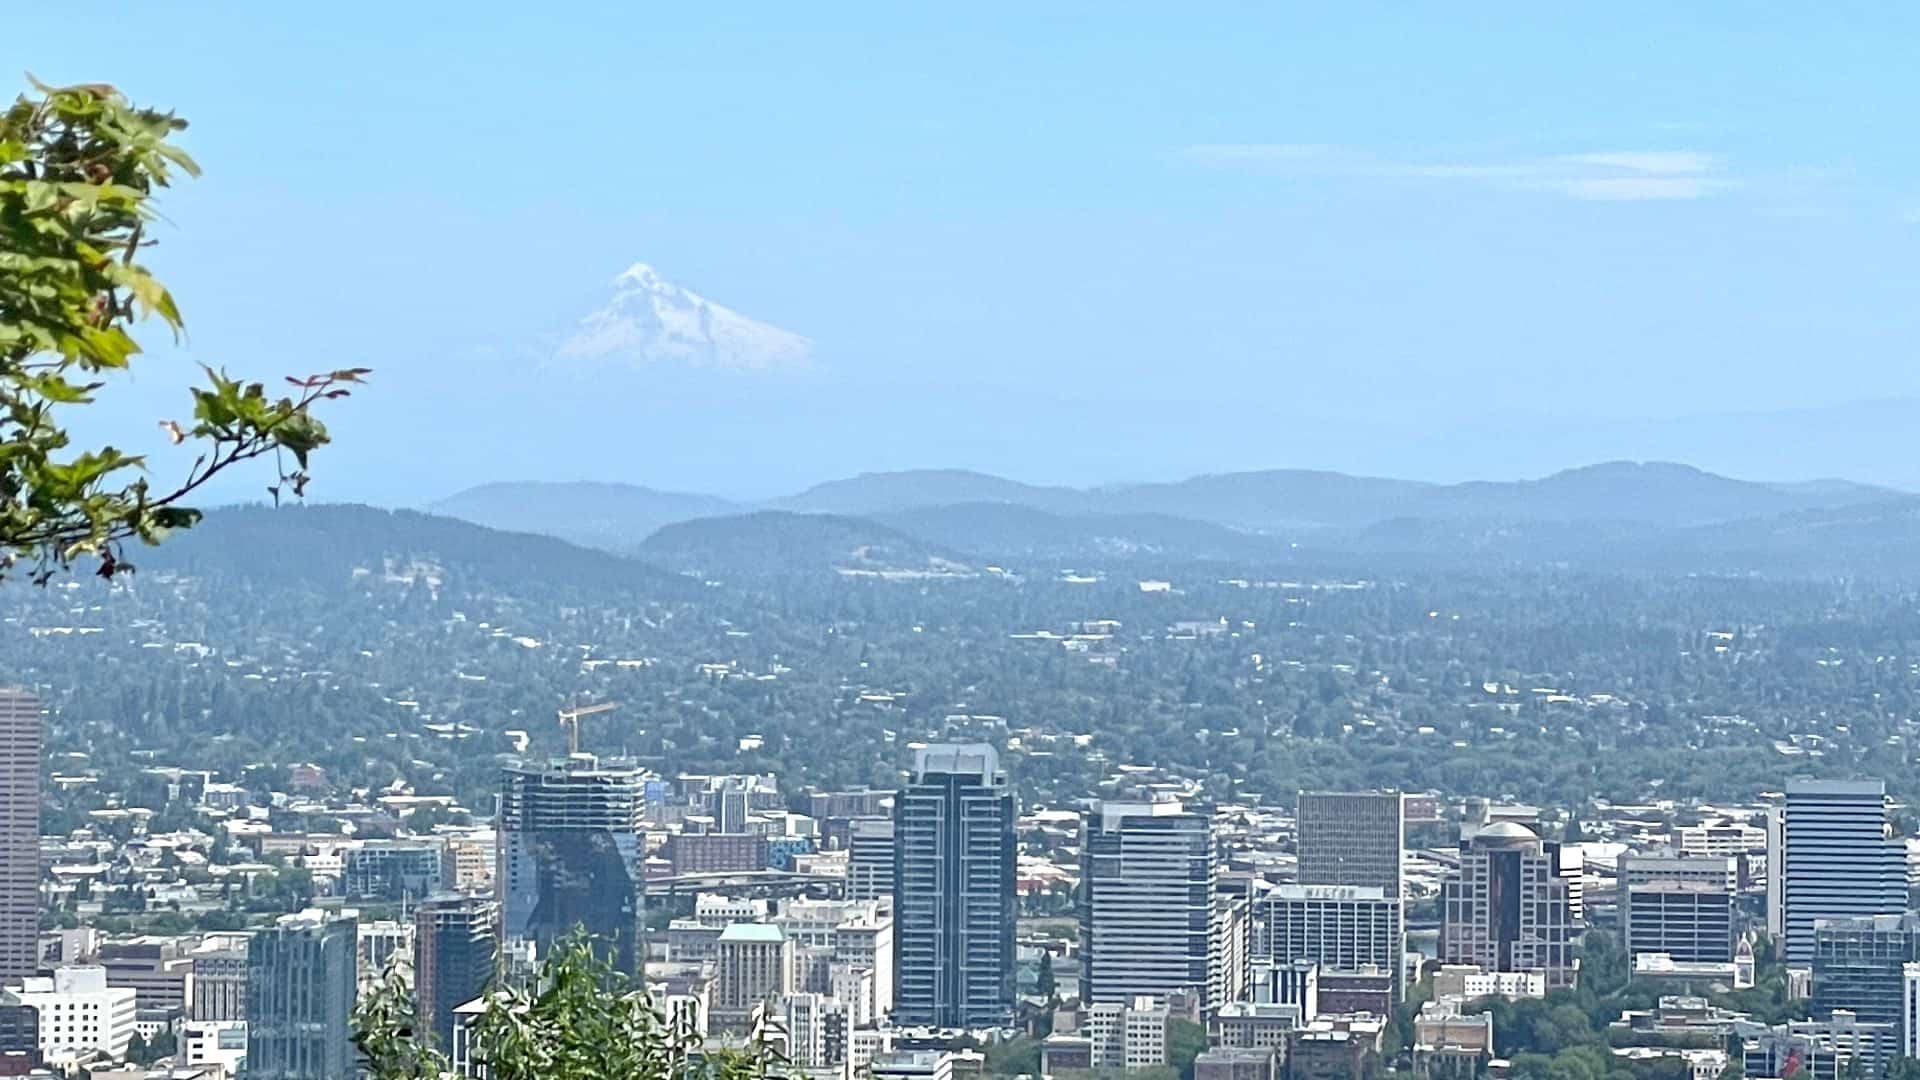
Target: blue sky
1094, 244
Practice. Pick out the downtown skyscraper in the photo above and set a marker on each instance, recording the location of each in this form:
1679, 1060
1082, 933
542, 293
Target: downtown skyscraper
453, 958
20, 738
953, 890
1836, 859
300, 993
1352, 838
570, 856
1146, 901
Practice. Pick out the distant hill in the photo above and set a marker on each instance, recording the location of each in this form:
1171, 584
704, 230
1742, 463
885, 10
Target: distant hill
776, 541
611, 516
1003, 530
333, 544
1284, 500
1576, 516
886, 492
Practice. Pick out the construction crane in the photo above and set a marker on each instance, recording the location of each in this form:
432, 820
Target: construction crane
570, 719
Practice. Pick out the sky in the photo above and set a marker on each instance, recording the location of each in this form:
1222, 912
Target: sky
1082, 245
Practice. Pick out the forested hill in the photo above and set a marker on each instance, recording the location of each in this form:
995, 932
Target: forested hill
335, 545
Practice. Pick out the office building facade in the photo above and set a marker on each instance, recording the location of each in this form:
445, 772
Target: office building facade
570, 855
1146, 901
869, 858
1351, 838
454, 952
954, 890
1683, 907
20, 738
1506, 907
1349, 928
1837, 860
300, 994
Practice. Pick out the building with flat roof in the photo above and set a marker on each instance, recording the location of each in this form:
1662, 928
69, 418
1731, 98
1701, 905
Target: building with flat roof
1837, 859
1146, 901
953, 919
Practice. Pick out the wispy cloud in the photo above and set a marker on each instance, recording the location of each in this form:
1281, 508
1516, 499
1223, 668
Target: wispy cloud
1600, 176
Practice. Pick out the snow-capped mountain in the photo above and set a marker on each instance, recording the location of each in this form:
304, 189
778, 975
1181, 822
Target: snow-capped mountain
650, 319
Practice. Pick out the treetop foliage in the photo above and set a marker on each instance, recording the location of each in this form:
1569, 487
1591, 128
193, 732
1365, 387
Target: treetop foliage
79, 167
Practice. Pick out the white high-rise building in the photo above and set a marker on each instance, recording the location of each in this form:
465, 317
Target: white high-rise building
79, 1012
1838, 859
1342, 927
1147, 872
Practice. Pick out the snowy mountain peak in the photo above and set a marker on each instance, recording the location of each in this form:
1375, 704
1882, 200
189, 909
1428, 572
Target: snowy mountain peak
652, 320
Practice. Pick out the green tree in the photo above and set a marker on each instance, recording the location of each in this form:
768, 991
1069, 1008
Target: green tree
577, 1019
79, 166
1045, 983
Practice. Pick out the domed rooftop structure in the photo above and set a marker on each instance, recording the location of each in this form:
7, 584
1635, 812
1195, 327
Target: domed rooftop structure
1505, 834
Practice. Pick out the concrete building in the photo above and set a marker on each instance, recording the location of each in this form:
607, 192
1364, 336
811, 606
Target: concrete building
870, 858
1130, 1035
220, 978
453, 958
79, 1013
1506, 907
1681, 907
1349, 838
570, 855
1838, 860
218, 1043
753, 966
1237, 1063
300, 994
1341, 927
954, 890
20, 736
1469, 982
1449, 1043
1230, 948
1146, 901
1246, 1024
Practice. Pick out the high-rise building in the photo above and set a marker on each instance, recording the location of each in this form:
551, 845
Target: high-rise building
1859, 965
1351, 838
453, 948
753, 965
1910, 1010
1350, 928
1506, 907
19, 835
300, 993
1838, 859
570, 855
954, 890
1679, 906
1146, 901
870, 858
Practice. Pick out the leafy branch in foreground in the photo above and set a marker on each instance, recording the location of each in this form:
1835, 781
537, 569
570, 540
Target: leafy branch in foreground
575, 1019
78, 168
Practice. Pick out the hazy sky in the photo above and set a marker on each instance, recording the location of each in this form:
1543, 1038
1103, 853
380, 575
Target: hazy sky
1106, 243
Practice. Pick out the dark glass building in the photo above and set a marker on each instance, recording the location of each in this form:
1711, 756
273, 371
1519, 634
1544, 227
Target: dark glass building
953, 891
453, 958
570, 856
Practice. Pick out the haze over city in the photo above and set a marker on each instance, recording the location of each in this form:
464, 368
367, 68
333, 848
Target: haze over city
1409, 241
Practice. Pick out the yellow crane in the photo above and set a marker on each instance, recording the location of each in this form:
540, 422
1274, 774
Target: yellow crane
570, 719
